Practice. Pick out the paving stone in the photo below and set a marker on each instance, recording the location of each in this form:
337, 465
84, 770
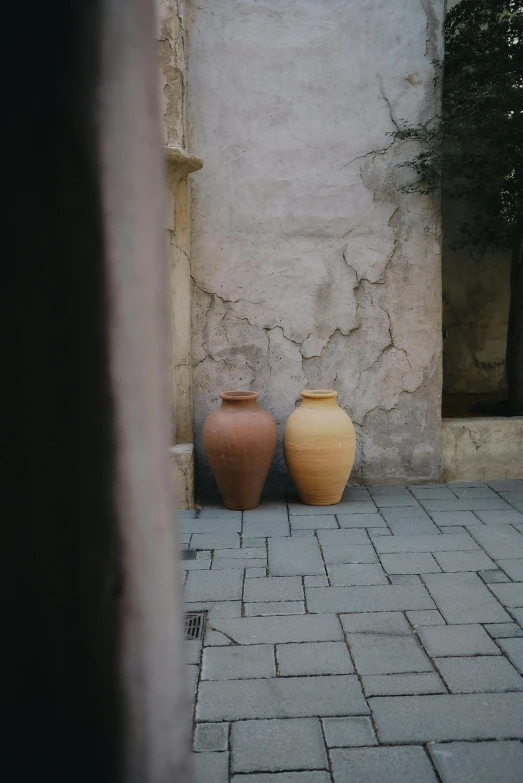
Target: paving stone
211, 767
274, 608
413, 513
432, 493
184, 539
300, 556
204, 554
493, 577
429, 617
315, 581
222, 564
313, 658
345, 507
216, 511
478, 762
371, 598
413, 527
414, 563
474, 492
514, 568
470, 483
514, 649
349, 554
463, 598
270, 527
472, 504
247, 553
390, 501
313, 522
274, 745
383, 653
515, 499
510, 595
343, 538
374, 765
454, 529
349, 732
272, 630
193, 649
437, 543
216, 639
504, 630
508, 517
517, 614
361, 520
356, 574
211, 736
404, 579
402, 684
508, 485
274, 588
195, 565
255, 542
455, 518
501, 542
215, 541
255, 573
280, 697
213, 586
379, 623
217, 609
464, 561
379, 531
295, 532
452, 640
223, 526
193, 672
274, 513
238, 662
284, 777
471, 716
479, 675
389, 491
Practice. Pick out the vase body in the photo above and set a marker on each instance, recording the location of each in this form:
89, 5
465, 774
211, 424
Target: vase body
239, 439
319, 443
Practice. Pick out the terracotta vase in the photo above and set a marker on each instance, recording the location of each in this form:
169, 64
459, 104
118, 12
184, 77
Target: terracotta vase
240, 439
319, 444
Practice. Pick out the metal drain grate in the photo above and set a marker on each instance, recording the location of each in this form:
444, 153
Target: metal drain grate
188, 554
194, 624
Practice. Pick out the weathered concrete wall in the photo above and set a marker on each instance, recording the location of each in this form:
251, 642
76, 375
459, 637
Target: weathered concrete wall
476, 295
309, 267
485, 449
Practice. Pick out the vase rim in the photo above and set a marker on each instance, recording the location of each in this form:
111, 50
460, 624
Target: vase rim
239, 396
319, 394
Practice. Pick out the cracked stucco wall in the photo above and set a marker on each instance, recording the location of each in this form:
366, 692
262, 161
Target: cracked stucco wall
309, 268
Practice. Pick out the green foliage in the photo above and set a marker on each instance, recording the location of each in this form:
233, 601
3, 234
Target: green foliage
475, 149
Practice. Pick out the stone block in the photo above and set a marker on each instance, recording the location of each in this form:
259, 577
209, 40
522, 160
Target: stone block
211, 737
343, 538
213, 586
313, 522
217, 609
410, 563
313, 658
281, 697
390, 501
349, 732
402, 684
429, 617
238, 662
453, 640
284, 777
405, 579
493, 577
413, 527
261, 529
464, 561
436, 543
272, 630
315, 581
368, 765
273, 608
255, 573
455, 518
371, 598
348, 553
464, 493
246, 553
470, 716
393, 623
295, 556
212, 526
211, 767
473, 504
504, 630
405, 513
507, 517
361, 520
356, 574
219, 512
275, 745
501, 542
273, 513
463, 598
215, 541
510, 595
365, 506
482, 674
514, 568
385, 653
478, 762
274, 588
221, 564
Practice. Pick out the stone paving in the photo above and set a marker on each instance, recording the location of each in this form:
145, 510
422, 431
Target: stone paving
378, 640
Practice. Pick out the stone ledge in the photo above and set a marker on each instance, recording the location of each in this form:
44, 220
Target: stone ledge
181, 458
484, 449
182, 161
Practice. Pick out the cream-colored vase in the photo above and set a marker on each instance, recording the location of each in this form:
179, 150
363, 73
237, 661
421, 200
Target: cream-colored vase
319, 444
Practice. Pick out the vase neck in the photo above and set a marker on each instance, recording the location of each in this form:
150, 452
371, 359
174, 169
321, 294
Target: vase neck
321, 398
239, 400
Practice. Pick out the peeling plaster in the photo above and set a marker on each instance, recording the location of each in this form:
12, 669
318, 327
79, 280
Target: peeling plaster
310, 270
